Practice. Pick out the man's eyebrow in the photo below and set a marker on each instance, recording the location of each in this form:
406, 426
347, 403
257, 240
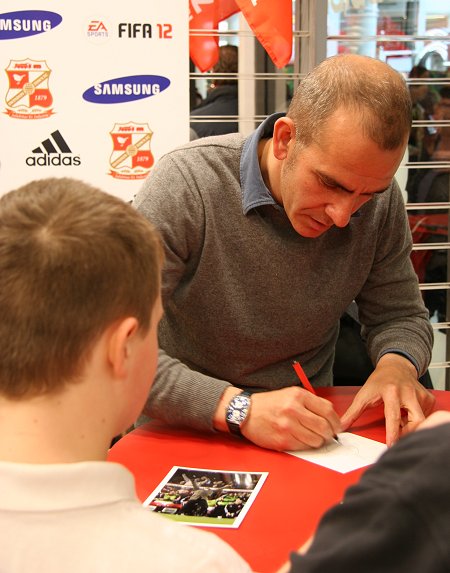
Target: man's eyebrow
330, 181
377, 192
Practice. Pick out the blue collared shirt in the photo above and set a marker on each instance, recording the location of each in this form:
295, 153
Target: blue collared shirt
254, 190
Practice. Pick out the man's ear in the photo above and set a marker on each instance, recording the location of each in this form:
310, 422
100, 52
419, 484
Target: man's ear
283, 137
120, 345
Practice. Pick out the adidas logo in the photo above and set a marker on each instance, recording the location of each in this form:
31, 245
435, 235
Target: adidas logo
53, 151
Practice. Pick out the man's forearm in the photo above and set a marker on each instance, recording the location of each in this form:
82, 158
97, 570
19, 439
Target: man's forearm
183, 397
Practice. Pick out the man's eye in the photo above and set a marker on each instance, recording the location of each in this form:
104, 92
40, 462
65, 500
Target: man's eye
328, 185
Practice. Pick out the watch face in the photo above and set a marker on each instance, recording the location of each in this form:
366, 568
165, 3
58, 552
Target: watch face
238, 409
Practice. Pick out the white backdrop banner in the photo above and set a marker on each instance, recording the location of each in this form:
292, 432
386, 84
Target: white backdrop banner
92, 90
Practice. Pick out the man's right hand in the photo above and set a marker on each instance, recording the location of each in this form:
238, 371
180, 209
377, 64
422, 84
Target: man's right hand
287, 419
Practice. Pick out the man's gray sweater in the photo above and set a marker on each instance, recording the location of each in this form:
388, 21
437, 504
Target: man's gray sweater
244, 294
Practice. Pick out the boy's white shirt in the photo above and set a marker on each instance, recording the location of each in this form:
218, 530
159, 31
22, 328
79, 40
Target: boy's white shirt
86, 517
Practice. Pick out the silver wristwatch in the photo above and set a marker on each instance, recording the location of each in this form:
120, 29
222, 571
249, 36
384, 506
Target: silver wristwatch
237, 412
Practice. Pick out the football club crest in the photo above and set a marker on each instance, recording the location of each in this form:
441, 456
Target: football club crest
28, 95
131, 157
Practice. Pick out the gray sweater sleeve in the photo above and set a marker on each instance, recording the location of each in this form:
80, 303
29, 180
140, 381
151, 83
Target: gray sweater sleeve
180, 395
391, 321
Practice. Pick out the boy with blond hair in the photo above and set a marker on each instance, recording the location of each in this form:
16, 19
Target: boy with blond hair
79, 306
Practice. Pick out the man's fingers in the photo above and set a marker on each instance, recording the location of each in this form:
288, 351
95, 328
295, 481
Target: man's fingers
428, 402
393, 418
309, 423
353, 412
322, 416
304, 439
401, 419
291, 418
406, 401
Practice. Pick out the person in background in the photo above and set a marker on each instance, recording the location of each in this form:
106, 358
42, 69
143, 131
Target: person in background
442, 149
418, 93
422, 140
80, 305
222, 98
397, 518
268, 240
433, 186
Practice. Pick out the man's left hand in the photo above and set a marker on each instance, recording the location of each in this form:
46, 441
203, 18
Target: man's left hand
406, 402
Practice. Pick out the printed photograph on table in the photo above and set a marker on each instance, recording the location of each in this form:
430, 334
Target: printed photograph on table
214, 498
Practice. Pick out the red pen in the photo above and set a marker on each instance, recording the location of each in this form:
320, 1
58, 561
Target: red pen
307, 385
302, 377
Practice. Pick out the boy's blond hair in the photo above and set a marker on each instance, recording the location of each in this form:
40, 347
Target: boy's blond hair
73, 260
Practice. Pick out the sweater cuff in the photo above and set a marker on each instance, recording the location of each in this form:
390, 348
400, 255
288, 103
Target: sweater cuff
404, 354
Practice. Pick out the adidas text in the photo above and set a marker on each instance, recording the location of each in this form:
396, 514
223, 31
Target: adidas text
55, 160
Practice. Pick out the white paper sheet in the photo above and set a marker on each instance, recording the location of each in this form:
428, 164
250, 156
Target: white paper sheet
352, 452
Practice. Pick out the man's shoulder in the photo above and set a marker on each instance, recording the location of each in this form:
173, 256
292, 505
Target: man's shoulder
212, 144
202, 158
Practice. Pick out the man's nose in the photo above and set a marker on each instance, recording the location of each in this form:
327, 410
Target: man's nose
341, 210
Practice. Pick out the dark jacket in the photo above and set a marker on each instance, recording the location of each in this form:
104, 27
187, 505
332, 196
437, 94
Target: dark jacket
396, 520
222, 100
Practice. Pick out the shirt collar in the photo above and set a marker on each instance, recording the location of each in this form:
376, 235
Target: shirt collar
254, 191
55, 487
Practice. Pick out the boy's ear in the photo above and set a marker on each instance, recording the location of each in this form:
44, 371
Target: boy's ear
120, 345
283, 137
